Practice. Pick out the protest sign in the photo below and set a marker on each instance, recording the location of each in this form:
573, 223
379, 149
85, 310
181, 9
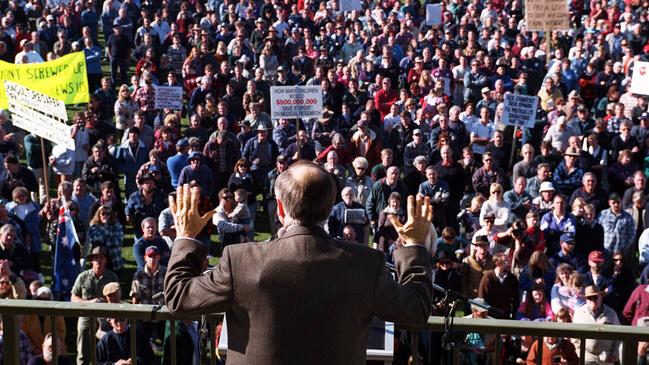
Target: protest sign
169, 97
640, 78
62, 79
520, 110
37, 113
547, 15
295, 102
349, 5
433, 14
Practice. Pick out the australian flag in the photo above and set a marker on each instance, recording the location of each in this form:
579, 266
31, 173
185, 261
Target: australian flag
65, 267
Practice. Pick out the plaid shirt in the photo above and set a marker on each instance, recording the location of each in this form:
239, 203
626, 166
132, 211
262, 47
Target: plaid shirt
145, 99
145, 285
619, 230
110, 237
24, 348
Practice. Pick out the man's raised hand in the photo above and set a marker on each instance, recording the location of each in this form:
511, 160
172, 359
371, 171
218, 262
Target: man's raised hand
417, 227
188, 221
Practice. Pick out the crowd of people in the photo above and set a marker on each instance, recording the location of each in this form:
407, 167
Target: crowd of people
549, 223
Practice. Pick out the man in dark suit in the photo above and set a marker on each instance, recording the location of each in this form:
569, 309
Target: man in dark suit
303, 298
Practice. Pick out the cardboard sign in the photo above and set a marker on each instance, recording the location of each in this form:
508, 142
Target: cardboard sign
169, 97
39, 114
640, 78
547, 15
295, 102
433, 14
520, 110
350, 5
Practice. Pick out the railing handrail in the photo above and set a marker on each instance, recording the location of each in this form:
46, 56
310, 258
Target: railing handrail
145, 312
99, 310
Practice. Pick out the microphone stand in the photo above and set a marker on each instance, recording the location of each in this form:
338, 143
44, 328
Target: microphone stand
452, 338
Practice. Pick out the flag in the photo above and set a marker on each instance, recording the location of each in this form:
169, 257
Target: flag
64, 267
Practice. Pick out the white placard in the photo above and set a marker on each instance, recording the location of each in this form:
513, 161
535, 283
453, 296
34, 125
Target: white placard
169, 97
433, 14
349, 5
547, 15
520, 110
38, 113
640, 78
295, 102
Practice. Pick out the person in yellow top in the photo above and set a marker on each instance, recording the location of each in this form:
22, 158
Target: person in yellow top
549, 92
37, 326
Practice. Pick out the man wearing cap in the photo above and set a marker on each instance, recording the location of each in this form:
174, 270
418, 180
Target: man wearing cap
147, 282
478, 347
598, 352
619, 228
595, 276
198, 172
118, 49
129, 156
88, 288
474, 265
262, 153
567, 254
145, 202
177, 162
418, 147
568, 175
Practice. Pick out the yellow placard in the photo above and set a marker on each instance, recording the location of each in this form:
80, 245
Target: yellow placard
63, 79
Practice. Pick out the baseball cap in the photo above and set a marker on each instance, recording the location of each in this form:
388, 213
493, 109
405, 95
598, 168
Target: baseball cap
194, 155
152, 250
596, 256
183, 142
567, 237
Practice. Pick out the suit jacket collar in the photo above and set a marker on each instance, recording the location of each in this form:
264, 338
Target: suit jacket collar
299, 229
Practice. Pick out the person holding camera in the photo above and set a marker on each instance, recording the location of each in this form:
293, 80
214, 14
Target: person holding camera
517, 245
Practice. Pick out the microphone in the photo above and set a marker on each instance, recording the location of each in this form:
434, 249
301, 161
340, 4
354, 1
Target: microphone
493, 311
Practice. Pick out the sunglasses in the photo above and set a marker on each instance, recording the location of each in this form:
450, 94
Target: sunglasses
5, 282
227, 197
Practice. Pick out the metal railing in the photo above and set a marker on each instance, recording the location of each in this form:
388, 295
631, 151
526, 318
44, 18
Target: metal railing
11, 308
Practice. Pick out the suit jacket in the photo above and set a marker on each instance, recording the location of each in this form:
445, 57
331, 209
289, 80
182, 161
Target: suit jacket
303, 298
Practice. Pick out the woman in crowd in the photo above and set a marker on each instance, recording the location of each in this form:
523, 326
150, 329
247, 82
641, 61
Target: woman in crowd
497, 206
242, 179
125, 108
106, 231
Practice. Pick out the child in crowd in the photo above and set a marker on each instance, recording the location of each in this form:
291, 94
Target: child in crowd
241, 214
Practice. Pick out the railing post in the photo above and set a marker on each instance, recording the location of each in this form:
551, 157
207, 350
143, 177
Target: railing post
539, 358
12, 339
133, 329
93, 340
55, 340
172, 341
498, 348
582, 350
630, 352
212, 337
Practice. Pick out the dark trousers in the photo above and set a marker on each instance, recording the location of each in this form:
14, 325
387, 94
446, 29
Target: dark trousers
116, 63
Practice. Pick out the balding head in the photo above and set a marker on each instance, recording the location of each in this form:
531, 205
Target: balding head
307, 193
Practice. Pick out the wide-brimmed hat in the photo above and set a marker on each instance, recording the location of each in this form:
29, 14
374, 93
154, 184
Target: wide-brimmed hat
480, 241
546, 186
572, 151
111, 288
480, 305
326, 115
98, 250
592, 291
262, 128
